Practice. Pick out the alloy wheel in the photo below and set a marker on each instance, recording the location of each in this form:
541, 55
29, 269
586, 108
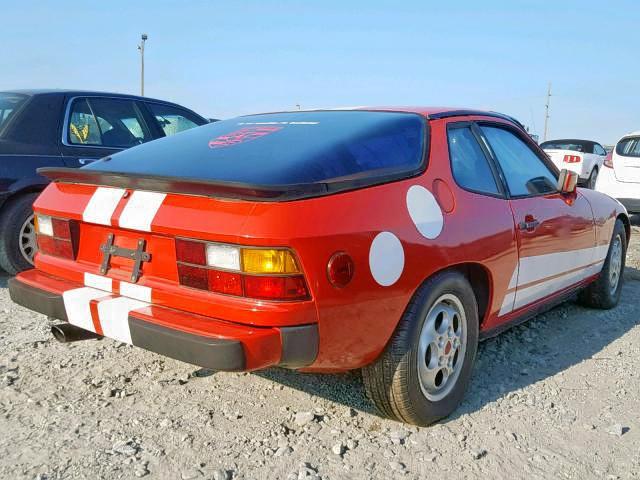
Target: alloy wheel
27, 239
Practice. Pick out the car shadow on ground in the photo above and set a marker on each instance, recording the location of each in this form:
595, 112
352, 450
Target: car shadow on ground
635, 219
546, 345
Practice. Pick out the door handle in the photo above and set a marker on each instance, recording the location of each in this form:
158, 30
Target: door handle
85, 161
529, 224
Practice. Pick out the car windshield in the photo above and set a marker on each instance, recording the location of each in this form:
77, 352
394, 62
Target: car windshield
9, 104
564, 145
284, 149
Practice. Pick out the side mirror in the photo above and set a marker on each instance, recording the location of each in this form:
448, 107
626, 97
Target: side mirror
567, 181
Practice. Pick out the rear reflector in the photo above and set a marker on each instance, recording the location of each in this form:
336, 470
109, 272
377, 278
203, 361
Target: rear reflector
572, 159
276, 288
194, 277
190, 252
340, 269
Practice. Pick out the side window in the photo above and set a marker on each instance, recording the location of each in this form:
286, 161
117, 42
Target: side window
469, 165
173, 120
106, 122
598, 150
525, 173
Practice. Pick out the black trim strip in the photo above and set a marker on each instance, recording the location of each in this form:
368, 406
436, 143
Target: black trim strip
41, 301
299, 346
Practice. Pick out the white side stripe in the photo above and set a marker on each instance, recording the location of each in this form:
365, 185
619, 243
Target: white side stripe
99, 282
114, 317
102, 205
140, 210
540, 267
76, 303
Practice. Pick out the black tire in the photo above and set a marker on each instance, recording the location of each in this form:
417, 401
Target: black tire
591, 182
13, 217
392, 382
601, 293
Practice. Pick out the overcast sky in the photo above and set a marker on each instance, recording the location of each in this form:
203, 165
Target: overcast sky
228, 58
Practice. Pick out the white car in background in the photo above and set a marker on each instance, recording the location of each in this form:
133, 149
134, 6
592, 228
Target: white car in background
584, 157
620, 177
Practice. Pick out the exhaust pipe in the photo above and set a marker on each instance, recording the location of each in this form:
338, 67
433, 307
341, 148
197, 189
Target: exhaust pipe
65, 333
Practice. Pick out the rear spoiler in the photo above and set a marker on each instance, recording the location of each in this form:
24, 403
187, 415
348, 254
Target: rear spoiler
222, 189
189, 186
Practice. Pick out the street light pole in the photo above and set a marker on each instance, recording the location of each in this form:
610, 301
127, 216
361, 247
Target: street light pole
546, 113
141, 48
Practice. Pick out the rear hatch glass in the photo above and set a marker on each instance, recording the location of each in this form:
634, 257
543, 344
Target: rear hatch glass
294, 148
627, 161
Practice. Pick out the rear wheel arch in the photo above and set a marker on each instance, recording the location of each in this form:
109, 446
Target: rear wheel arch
627, 225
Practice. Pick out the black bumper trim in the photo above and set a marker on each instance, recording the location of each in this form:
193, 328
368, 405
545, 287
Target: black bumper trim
208, 352
41, 301
299, 346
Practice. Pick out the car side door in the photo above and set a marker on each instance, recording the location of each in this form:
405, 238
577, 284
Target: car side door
95, 127
555, 231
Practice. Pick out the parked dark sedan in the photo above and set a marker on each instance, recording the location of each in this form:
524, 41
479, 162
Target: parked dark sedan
64, 128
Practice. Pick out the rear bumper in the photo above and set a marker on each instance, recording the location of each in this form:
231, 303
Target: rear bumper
627, 193
188, 337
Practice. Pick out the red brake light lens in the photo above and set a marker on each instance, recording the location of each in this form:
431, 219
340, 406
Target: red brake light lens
608, 160
194, 277
225, 282
340, 269
56, 247
56, 236
572, 159
276, 288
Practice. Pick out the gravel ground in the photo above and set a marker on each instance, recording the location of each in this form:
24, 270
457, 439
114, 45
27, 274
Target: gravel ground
558, 397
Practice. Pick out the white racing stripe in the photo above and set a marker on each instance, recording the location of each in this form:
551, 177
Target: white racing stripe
140, 210
137, 292
76, 303
102, 205
114, 317
99, 282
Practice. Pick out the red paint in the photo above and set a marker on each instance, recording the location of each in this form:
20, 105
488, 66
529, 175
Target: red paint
355, 321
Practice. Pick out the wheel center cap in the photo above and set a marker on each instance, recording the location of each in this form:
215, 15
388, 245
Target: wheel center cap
447, 348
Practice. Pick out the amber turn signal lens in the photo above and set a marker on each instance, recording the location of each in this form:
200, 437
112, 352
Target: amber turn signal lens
268, 261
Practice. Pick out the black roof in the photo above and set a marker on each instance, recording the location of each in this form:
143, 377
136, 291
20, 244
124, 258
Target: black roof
83, 93
569, 140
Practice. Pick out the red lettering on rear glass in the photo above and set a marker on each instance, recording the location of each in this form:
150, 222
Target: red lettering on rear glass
242, 135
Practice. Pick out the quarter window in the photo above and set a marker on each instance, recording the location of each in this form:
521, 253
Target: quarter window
173, 120
598, 150
525, 173
469, 165
106, 122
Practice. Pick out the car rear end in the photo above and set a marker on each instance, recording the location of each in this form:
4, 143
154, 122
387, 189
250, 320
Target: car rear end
620, 177
570, 160
226, 274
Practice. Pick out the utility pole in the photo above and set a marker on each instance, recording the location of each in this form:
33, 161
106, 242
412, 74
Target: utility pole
141, 48
546, 113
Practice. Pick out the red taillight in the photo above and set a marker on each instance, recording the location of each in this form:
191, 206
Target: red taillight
55, 246
190, 252
266, 274
340, 269
56, 236
572, 159
275, 288
608, 160
194, 277
225, 282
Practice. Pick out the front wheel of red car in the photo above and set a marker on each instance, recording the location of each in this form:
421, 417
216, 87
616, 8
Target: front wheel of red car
424, 371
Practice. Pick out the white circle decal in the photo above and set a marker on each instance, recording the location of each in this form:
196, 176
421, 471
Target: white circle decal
386, 258
424, 211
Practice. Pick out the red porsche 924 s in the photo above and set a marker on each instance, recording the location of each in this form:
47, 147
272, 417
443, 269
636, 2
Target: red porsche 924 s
390, 239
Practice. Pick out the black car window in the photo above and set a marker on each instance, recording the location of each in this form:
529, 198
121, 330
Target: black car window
106, 122
525, 173
9, 104
598, 150
629, 147
573, 145
173, 120
337, 147
469, 165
